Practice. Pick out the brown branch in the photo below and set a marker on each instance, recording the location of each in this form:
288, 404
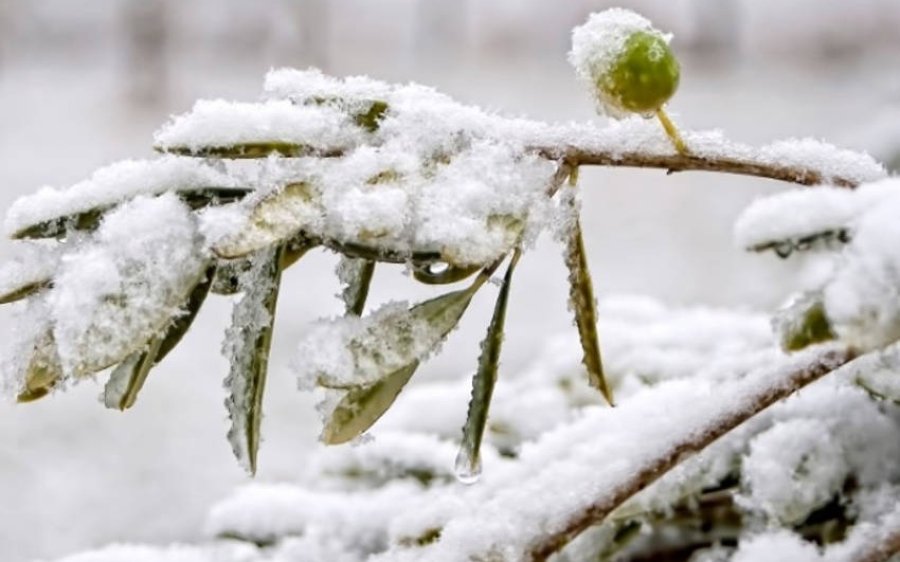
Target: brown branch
886, 545
575, 156
680, 450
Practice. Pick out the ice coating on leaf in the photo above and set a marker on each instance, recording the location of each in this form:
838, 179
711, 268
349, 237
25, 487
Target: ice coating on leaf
599, 42
220, 123
113, 184
124, 286
801, 213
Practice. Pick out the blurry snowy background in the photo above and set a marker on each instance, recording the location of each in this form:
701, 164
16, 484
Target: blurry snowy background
83, 84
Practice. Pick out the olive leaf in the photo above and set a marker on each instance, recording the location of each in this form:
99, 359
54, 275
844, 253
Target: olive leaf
248, 343
803, 323
128, 377
89, 219
261, 149
273, 219
25, 288
356, 276
44, 370
468, 461
581, 298
362, 405
784, 248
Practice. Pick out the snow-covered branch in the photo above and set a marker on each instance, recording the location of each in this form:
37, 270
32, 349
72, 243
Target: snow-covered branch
753, 397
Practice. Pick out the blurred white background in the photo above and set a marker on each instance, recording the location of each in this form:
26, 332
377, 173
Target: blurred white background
83, 84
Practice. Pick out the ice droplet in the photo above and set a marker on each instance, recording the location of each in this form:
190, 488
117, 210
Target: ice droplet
467, 467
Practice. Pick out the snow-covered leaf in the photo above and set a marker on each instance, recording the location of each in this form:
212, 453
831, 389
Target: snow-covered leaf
374, 357
28, 274
43, 370
803, 323
125, 285
247, 346
51, 212
128, 378
275, 218
583, 303
255, 130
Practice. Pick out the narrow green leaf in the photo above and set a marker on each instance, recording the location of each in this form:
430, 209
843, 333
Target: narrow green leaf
362, 406
248, 344
25, 290
127, 380
262, 149
44, 370
468, 461
434, 319
804, 323
581, 297
356, 277
183, 322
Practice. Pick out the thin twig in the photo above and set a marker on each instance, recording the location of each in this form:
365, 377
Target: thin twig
678, 451
886, 545
575, 156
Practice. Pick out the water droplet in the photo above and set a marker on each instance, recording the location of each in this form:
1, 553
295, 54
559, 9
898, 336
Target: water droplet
467, 467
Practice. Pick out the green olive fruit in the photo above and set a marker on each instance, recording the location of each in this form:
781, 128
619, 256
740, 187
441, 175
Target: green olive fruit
643, 76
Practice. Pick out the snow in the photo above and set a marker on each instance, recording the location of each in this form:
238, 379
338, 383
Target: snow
559, 408
111, 185
798, 214
598, 43
224, 124
585, 464
33, 267
863, 299
793, 468
350, 351
118, 290
177, 553
251, 321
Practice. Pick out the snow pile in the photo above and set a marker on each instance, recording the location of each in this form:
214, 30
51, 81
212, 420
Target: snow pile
860, 296
394, 497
